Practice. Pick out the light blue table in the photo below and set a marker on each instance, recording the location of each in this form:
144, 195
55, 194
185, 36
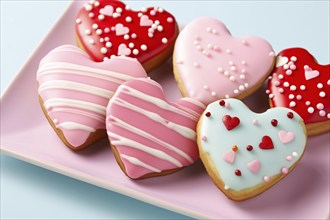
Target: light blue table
30, 192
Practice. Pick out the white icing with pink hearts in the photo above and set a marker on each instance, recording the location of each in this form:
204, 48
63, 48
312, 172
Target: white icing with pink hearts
76, 90
151, 134
212, 64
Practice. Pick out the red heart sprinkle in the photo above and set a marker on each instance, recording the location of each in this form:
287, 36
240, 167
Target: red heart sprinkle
230, 122
266, 143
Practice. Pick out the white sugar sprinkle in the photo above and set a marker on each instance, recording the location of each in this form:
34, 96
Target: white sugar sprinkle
108, 44
128, 19
144, 47
322, 94
292, 104
310, 110
101, 17
104, 50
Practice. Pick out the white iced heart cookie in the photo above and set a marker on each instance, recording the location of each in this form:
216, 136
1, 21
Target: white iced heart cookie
246, 153
210, 64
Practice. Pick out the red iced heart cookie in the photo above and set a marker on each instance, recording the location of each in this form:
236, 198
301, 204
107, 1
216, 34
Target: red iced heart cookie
109, 27
149, 135
300, 83
74, 92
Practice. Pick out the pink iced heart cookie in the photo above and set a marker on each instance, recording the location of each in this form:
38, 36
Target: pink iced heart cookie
74, 92
149, 135
210, 64
250, 158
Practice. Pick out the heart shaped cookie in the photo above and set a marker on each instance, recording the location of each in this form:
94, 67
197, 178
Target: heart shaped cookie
149, 135
109, 27
255, 154
210, 64
300, 83
74, 92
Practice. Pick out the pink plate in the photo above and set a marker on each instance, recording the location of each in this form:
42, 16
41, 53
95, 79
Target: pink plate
26, 134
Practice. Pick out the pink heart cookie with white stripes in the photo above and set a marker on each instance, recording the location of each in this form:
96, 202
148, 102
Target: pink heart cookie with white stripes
210, 64
74, 92
149, 135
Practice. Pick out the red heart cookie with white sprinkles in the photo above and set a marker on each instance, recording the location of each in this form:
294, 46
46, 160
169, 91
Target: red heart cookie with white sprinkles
149, 135
74, 92
255, 153
300, 83
109, 27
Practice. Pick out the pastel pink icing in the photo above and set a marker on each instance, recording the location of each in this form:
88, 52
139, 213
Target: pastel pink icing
254, 166
213, 65
75, 90
285, 136
150, 133
229, 156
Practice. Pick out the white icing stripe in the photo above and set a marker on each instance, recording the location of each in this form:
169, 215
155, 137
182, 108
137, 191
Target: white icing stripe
190, 111
138, 162
184, 131
63, 65
56, 71
75, 126
59, 102
78, 112
130, 143
194, 101
156, 101
63, 84
126, 126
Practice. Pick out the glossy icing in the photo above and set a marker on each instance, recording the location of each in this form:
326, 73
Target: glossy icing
254, 163
300, 83
151, 134
109, 27
76, 90
212, 64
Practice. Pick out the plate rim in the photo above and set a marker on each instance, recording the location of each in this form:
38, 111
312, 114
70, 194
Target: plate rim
81, 176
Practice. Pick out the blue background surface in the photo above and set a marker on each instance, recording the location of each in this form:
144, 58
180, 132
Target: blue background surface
30, 192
